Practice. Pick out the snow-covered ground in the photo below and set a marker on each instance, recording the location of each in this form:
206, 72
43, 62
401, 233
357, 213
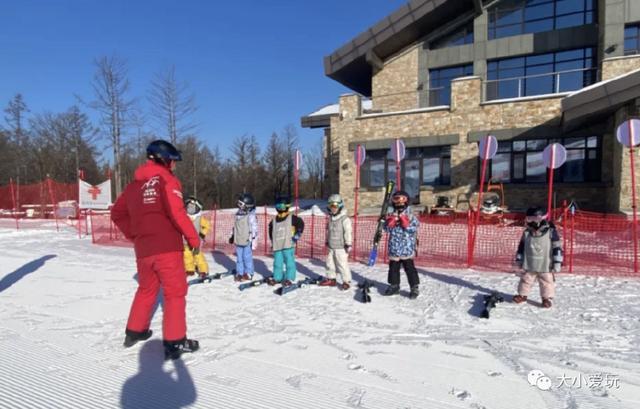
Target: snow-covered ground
64, 303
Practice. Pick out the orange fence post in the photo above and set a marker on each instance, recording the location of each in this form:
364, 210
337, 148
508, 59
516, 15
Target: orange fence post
53, 202
213, 228
13, 200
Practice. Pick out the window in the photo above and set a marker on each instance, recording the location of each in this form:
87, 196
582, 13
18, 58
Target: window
540, 74
463, 35
440, 83
422, 166
632, 39
514, 17
521, 161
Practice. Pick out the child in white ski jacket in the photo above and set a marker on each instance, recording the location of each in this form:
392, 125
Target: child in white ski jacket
245, 237
339, 242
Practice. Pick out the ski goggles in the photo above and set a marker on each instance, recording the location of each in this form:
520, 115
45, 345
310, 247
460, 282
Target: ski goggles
334, 205
399, 200
535, 219
282, 207
241, 204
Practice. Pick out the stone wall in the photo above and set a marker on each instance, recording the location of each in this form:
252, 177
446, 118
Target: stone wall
394, 88
616, 66
466, 114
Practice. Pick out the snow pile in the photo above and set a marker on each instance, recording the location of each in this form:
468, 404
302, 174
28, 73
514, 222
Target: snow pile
64, 305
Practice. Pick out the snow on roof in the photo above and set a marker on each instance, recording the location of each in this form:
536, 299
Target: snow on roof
334, 109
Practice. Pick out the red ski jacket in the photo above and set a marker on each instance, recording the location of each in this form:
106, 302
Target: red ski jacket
150, 212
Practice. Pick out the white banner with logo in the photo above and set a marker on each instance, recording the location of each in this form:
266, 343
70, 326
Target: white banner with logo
95, 197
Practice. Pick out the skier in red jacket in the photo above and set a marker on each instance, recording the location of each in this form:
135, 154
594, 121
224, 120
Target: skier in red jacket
150, 212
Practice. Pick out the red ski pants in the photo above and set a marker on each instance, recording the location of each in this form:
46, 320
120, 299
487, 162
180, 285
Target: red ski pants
164, 270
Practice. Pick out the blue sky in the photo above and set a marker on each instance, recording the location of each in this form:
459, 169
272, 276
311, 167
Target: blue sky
254, 66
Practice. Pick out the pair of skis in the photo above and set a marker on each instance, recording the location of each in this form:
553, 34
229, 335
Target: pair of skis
210, 277
283, 289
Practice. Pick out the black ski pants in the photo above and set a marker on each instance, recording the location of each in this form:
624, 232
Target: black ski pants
409, 269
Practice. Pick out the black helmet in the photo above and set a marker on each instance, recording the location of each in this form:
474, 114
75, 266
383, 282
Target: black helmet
162, 152
282, 204
195, 202
536, 217
246, 201
400, 200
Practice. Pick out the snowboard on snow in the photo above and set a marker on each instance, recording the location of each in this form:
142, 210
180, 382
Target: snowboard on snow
285, 289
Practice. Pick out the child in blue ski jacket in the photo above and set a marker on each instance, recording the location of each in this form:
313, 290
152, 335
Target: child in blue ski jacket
402, 227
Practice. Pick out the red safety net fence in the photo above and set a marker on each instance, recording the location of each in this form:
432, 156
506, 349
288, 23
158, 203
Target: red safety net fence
40, 205
593, 243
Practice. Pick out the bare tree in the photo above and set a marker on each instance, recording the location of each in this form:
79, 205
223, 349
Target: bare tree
15, 118
275, 160
314, 167
172, 105
111, 88
290, 139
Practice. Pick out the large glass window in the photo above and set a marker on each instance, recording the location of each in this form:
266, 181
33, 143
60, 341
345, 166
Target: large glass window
463, 35
522, 162
540, 74
422, 166
632, 39
440, 83
514, 17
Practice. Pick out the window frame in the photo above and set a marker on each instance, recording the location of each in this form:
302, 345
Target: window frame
442, 152
588, 13
635, 36
591, 168
444, 82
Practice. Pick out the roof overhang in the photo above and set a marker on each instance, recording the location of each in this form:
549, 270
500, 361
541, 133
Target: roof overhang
596, 102
321, 118
350, 66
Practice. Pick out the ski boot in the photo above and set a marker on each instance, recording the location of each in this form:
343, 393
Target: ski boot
237, 278
272, 281
132, 337
174, 349
328, 282
245, 277
190, 273
546, 303
518, 299
415, 292
287, 283
393, 289
345, 286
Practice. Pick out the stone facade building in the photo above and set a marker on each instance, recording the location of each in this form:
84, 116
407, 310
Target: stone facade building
441, 74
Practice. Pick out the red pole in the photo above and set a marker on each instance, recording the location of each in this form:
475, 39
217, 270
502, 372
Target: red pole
564, 227
266, 230
313, 220
13, 200
213, 229
633, 199
573, 225
550, 192
475, 226
355, 206
398, 185
296, 175
53, 202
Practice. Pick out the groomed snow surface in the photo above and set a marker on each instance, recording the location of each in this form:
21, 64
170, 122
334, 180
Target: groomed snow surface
64, 304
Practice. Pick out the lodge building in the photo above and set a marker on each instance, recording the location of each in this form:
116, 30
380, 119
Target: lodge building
441, 74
